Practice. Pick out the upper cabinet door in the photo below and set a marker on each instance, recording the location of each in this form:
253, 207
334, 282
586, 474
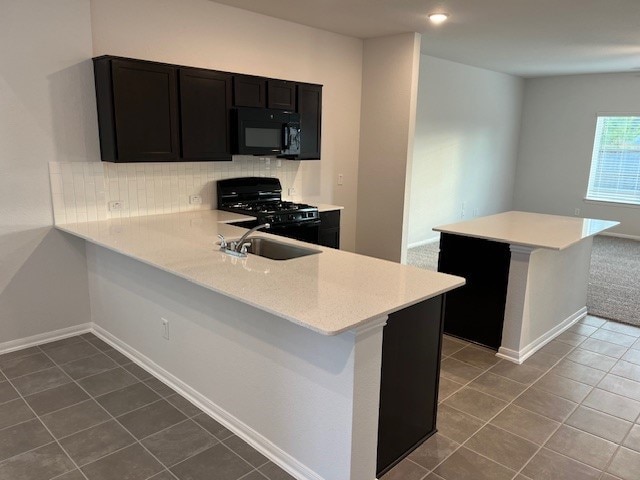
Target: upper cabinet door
281, 95
310, 110
249, 91
145, 110
205, 100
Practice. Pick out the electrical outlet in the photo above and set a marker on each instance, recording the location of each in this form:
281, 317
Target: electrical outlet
195, 199
115, 206
340, 179
165, 328
576, 212
292, 191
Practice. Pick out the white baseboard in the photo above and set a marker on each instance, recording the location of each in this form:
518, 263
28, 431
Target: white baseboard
620, 235
520, 356
424, 242
253, 438
12, 345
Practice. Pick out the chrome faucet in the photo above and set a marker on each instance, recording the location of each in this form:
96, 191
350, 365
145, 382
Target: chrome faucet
239, 247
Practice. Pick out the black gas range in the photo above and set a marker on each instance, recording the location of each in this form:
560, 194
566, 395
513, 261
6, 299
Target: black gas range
261, 197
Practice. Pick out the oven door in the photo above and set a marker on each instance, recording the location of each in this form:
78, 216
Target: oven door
303, 231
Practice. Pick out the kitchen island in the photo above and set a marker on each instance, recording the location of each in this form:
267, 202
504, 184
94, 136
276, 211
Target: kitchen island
527, 276
287, 354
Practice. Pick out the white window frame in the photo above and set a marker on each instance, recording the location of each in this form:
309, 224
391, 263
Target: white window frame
616, 197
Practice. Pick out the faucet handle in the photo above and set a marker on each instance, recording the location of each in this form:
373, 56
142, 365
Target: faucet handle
223, 242
243, 250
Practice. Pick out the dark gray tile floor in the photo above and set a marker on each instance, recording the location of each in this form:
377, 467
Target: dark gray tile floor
77, 409
570, 412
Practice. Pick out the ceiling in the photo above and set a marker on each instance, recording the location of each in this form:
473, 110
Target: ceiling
529, 38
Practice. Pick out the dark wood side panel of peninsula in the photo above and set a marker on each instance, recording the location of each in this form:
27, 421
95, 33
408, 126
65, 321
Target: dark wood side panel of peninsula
411, 347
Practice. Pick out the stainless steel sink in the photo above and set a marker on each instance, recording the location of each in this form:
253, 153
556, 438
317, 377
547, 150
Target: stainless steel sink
266, 247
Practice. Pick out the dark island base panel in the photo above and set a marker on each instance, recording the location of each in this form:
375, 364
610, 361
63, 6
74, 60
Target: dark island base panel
475, 312
411, 347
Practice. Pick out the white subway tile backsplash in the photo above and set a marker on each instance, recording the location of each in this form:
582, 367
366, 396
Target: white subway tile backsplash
82, 191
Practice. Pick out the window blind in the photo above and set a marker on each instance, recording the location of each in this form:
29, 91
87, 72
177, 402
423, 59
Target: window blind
615, 164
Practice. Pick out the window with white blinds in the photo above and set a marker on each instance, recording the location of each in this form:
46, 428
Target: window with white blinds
615, 164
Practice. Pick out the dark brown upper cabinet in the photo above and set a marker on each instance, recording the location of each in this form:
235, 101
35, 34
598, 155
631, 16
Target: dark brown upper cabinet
137, 110
310, 110
249, 91
281, 94
205, 101
157, 112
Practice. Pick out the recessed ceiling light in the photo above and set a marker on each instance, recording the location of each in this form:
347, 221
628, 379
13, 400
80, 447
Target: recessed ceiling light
438, 17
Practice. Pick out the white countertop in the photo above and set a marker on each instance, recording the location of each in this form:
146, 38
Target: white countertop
326, 207
322, 207
530, 229
330, 292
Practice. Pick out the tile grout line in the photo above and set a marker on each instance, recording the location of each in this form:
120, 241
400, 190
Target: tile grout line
544, 372
579, 404
139, 441
519, 472
632, 423
621, 444
200, 412
16, 424
450, 356
485, 423
56, 364
463, 444
52, 436
127, 430
92, 398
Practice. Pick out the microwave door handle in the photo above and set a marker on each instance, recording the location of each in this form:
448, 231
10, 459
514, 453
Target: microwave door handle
285, 142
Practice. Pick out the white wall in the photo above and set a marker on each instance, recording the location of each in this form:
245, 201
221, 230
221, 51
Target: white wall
467, 128
309, 401
389, 92
47, 113
558, 127
206, 34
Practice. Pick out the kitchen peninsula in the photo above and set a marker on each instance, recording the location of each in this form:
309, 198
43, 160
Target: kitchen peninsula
527, 277
290, 355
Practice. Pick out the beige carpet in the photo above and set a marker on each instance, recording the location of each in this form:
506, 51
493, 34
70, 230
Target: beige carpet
614, 280
425, 256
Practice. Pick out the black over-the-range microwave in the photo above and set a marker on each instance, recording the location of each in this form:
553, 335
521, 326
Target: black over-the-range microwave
263, 131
